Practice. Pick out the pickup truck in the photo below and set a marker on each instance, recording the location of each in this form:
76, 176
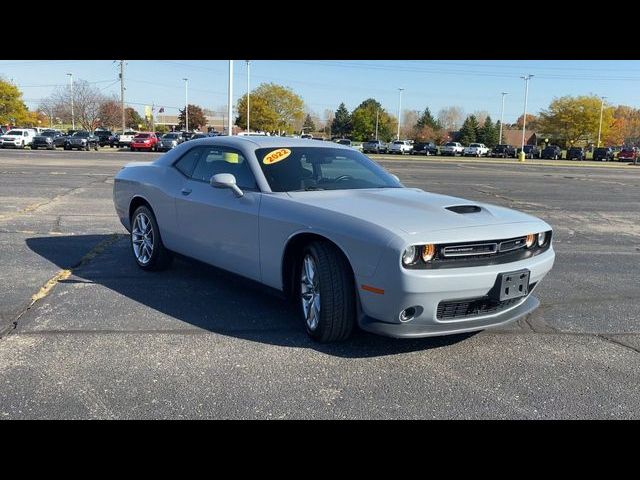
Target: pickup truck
400, 146
424, 148
504, 151
476, 150
125, 138
452, 149
374, 146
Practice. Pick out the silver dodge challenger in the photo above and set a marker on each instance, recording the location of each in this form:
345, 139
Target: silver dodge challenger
333, 231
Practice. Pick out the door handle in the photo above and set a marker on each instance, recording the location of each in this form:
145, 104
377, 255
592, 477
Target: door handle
186, 191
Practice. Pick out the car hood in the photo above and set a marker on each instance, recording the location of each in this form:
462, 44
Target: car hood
412, 211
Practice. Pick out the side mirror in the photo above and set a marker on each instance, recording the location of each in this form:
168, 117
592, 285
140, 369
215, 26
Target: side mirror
226, 180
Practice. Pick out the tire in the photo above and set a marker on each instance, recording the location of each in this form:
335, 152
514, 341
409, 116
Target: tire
132, 149
160, 258
51, 148
88, 147
67, 148
95, 147
334, 290
33, 147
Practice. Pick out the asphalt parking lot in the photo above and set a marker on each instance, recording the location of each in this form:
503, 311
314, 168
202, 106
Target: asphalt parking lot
86, 334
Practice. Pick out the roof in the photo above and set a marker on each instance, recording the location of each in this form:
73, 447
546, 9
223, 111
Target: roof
261, 141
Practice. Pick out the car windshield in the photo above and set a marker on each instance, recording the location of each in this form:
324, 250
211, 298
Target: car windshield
130, 133
14, 132
474, 145
81, 134
171, 135
142, 135
48, 133
321, 168
344, 142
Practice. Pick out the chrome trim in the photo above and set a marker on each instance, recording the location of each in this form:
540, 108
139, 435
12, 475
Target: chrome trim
471, 253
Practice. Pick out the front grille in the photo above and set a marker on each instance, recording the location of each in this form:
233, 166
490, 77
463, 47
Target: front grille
474, 307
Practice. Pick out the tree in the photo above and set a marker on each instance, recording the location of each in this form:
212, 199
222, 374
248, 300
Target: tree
469, 131
12, 108
308, 125
625, 126
197, 118
273, 108
341, 125
481, 116
427, 120
328, 120
409, 120
532, 122
488, 134
87, 101
450, 117
363, 121
576, 119
110, 113
132, 118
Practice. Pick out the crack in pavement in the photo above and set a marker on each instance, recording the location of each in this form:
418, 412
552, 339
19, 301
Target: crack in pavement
620, 343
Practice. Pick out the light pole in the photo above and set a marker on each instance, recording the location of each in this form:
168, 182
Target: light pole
186, 103
526, 79
399, 110
601, 110
377, 113
504, 94
73, 120
230, 100
248, 90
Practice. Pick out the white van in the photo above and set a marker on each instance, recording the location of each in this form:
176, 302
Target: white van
17, 138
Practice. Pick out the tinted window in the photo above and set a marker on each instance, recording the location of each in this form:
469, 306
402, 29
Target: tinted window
14, 132
142, 135
319, 168
81, 134
171, 135
213, 160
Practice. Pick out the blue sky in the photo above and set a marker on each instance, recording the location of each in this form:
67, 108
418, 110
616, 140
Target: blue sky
323, 84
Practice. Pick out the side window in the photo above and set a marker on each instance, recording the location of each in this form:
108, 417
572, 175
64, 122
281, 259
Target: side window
214, 160
188, 161
25, 134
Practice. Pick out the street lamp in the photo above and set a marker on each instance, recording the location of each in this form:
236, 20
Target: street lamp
504, 94
230, 100
186, 103
248, 70
526, 79
73, 121
601, 110
377, 114
399, 110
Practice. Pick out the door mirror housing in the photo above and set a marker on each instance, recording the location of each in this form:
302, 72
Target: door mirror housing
226, 180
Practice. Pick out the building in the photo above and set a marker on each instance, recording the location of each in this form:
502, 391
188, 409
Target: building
217, 122
514, 137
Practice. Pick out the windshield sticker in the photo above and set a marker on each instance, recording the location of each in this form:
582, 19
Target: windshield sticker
276, 156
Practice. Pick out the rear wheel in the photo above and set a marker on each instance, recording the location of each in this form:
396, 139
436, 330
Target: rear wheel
326, 292
148, 249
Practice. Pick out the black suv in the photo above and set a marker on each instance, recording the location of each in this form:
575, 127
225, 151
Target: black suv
530, 151
49, 139
577, 153
552, 152
504, 151
104, 137
82, 140
604, 154
424, 148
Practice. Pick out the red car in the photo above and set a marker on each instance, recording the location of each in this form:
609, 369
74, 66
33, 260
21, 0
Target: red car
145, 141
628, 153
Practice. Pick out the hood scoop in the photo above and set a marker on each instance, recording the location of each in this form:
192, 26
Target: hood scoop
463, 209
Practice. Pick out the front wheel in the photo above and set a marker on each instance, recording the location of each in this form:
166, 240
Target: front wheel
148, 249
326, 292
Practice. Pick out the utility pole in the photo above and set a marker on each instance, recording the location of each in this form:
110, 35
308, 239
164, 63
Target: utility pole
526, 79
230, 100
186, 103
377, 112
399, 112
502, 116
248, 90
73, 120
124, 120
601, 110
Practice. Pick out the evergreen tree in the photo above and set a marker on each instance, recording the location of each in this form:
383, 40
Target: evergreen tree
469, 131
341, 125
309, 126
427, 120
488, 134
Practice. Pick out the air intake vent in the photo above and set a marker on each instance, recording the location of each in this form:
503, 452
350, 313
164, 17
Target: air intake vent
462, 209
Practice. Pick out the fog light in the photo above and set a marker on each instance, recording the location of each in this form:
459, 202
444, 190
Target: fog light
531, 238
407, 314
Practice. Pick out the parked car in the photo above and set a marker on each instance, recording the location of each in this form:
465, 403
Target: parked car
187, 135
331, 229
552, 152
576, 153
49, 139
628, 154
104, 137
530, 151
503, 151
476, 150
424, 148
452, 149
400, 147
374, 146
170, 140
125, 138
604, 154
81, 140
18, 138
145, 141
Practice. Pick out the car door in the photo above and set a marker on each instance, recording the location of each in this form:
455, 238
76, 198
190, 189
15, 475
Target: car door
216, 226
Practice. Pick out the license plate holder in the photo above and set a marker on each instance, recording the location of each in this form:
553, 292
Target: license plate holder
512, 285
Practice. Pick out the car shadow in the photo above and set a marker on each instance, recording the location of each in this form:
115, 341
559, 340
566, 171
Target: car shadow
207, 297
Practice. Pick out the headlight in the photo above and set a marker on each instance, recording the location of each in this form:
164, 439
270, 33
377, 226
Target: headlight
531, 239
428, 252
542, 238
174, 143
410, 255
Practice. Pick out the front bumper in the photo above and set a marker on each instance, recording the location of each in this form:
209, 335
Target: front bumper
426, 289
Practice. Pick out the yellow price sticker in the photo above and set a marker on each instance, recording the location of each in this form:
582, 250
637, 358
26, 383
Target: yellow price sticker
231, 157
276, 156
